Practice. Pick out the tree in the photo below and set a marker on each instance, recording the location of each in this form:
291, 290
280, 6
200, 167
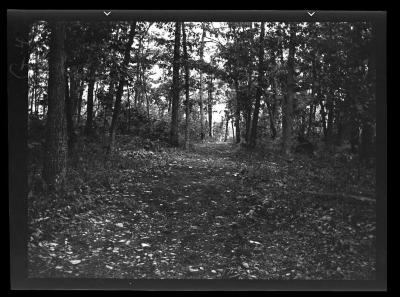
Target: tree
117, 105
202, 135
253, 136
210, 105
54, 169
174, 136
187, 103
89, 118
288, 103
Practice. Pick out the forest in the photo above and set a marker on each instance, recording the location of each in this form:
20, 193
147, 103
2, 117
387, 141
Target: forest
202, 150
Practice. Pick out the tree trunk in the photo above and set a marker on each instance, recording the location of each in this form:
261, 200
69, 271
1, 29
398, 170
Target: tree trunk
272, 105
81, 88
73, 93
145, 95
322, 112
68, 113
329, 127
311, 116
209, 107
247, 110
202, 135
54, 167
288, 106
129, 111
237, 112
226, 126
253, 136
174, 135
120, 89
187, 107
138, 75
89, 108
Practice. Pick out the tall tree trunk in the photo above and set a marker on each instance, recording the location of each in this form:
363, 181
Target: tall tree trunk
74, 93
187, 107
89, 108
68, 113
138, 75
272, 105
81, 89
118, 96
237, 112
55, 162
288, 106
233, 130
210, 106
247, 109
174, 135
202, 135
226, 125
322, 112
271, 118
145, 95
311, 116
35, 80
330, 107
253, 136
129, 111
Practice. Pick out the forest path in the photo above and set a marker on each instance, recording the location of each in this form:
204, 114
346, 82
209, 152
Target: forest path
206, 213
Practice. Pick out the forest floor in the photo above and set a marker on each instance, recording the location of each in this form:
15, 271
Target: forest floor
214, 212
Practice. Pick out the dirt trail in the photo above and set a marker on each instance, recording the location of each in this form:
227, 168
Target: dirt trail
193, 215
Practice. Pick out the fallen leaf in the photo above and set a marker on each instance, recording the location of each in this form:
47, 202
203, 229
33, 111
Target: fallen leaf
193, 269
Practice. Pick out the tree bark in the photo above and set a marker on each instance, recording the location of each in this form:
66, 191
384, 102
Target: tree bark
202, 135
288, 106
89, 112
129, 110
209, 107
55, 161
247, 109
237, 112
73, 93
68, 113
253, 136
187, 107
226, 125
322, 112
174, 135
118, 96
81, 88
329, 127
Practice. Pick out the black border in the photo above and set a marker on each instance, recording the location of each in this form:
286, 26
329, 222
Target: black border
17, 135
